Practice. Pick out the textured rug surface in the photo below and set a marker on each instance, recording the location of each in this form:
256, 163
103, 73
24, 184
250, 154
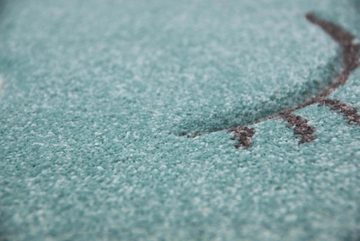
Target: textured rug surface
179, 120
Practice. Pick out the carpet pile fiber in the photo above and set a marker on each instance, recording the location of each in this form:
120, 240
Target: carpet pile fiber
179, 120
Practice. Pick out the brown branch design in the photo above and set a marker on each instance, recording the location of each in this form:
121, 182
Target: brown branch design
300, 126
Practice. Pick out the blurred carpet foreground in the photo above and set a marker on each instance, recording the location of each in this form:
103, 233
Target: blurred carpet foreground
95, 94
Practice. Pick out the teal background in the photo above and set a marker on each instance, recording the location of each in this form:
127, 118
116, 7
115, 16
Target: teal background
94, 93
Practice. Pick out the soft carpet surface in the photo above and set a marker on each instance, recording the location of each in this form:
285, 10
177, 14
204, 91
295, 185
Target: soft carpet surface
179, 120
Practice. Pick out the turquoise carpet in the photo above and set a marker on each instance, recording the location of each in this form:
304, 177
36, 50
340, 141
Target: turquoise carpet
179, 120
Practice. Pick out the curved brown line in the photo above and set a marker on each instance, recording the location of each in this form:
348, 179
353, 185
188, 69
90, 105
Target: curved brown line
350, 61
335, 31
350, 52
